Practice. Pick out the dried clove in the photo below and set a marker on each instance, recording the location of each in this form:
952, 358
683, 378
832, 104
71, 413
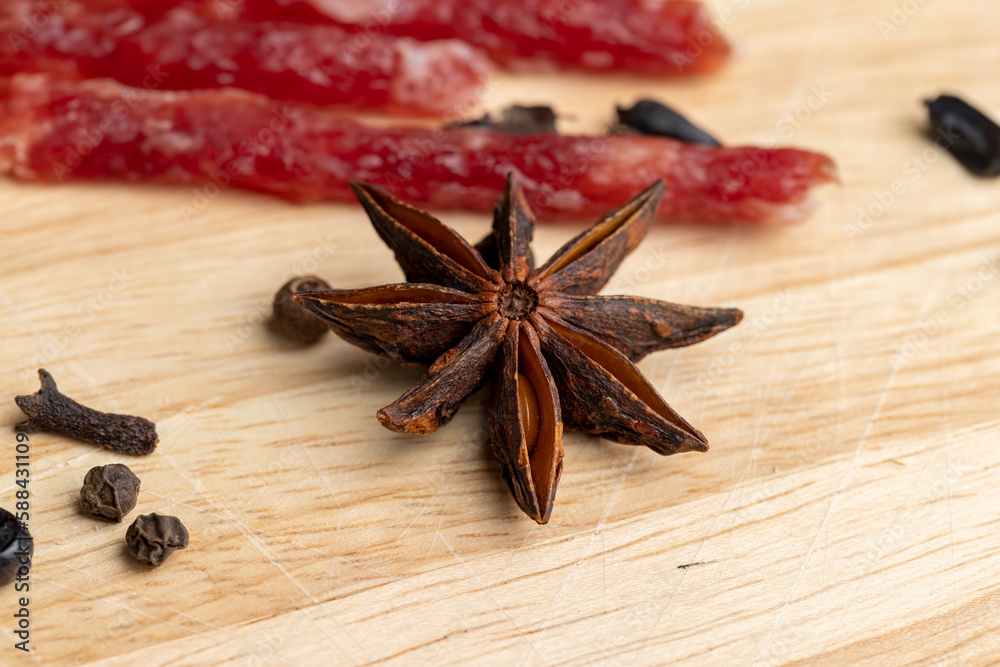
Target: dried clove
292, 320
652, 117
16, 548
967, 133
516, 119
49, 410
109, 491
153, 537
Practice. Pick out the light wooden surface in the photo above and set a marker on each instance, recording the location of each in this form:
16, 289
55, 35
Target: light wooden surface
847, 512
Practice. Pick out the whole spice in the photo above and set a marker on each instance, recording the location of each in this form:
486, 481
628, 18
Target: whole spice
291, 320
516, 119
51, 411
967, 133
16, 548
556, 354
109, 491
153, 537
652, 117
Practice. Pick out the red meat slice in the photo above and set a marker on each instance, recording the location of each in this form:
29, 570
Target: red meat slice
643, 36
316, 64
54, 130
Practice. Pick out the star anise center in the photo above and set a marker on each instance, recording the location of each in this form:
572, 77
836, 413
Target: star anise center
518, 301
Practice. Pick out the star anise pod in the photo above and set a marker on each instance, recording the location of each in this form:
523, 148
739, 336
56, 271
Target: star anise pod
556, 355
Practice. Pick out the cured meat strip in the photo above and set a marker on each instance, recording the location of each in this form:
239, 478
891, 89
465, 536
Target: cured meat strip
316, 64
54, 130
644, 36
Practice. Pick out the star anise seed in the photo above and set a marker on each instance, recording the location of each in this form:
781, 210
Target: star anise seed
556, 354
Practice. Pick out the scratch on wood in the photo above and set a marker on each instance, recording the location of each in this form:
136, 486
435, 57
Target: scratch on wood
704, 562
491, 597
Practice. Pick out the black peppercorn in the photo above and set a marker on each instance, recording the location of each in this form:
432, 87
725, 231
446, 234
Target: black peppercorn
516, 119
967, 133
16, 548
652, 117
292, 320
153, 537
109, 491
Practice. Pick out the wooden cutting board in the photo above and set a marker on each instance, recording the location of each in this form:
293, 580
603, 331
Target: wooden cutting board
846, 513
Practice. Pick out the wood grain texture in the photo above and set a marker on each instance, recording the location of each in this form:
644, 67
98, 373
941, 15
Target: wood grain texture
846, 513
